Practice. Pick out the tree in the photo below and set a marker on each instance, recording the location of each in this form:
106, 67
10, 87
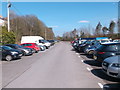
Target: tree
98, 29
111, 27
29, 25
74, 32
118, 23
105, 30
7, 37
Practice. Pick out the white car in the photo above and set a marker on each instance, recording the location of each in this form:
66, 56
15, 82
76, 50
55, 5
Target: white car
111, 66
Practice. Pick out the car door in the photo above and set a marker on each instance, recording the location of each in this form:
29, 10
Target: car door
4, 53
118, 50
0, 53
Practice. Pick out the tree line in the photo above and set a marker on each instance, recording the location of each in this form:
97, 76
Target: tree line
113, 31
27, 25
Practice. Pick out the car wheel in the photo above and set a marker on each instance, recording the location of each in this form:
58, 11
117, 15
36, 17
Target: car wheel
36, 51
94, 57
8, 57
90, 52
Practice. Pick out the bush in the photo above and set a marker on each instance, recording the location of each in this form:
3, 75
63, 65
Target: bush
7, 37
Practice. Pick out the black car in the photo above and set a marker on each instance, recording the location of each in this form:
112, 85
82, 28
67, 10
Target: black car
85, 45
24, 50
106, 50
9, 53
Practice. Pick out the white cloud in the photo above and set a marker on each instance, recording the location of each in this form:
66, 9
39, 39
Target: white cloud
53, 26
83, 21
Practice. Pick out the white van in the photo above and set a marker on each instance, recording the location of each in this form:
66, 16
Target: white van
35, 39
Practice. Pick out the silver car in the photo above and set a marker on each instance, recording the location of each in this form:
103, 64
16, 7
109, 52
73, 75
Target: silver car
111, 66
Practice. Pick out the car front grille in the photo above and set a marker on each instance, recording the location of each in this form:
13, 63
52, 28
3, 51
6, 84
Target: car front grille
113, 74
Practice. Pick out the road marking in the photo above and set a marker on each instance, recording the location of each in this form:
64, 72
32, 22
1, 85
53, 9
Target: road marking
77, 53
101, 86
89, 69
79, 56
82, 61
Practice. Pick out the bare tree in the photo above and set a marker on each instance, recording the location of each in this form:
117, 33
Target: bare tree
111, 27
105, 30
98, 29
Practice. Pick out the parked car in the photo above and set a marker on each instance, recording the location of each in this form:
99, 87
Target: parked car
85, 45
25, 51
106, 50
77, 44
9, 53
34, 46
111, 66
52, 42
44, 43
90, 50
42, 48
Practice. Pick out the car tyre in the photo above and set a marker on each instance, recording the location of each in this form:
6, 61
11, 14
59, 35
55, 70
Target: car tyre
36, 51
8, 57
94, 57
90, 52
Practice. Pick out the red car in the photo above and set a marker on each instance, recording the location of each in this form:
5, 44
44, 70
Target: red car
32, 45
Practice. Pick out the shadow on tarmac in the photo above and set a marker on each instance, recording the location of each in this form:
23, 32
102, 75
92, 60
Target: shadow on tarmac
99, 73
93, 63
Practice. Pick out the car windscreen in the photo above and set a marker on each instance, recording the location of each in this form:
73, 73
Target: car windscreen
19, 46
41, 41
6, 48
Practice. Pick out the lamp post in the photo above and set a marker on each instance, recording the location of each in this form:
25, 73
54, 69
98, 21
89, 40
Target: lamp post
45, 33
8, 14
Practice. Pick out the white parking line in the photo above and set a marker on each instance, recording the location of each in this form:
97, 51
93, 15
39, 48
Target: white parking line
79, 56
82, 61
101, 86
89, 69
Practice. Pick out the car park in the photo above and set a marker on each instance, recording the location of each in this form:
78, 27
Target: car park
25, 51
106, 50
9, 53
34, 46
111, 66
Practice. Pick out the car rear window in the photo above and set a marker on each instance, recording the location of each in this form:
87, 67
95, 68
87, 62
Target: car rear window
108, 48
28, 44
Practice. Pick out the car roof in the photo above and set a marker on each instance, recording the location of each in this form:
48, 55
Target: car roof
27, 43
113, 43
11, 44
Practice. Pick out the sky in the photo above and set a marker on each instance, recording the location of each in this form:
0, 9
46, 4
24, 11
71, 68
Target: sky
65, 16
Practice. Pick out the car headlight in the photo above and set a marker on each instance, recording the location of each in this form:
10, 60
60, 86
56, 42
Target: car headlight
116, 65
14, 53
75, 44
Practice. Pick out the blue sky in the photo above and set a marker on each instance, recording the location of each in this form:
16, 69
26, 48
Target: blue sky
65, 16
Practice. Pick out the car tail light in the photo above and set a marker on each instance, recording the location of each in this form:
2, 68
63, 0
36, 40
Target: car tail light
101, 52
